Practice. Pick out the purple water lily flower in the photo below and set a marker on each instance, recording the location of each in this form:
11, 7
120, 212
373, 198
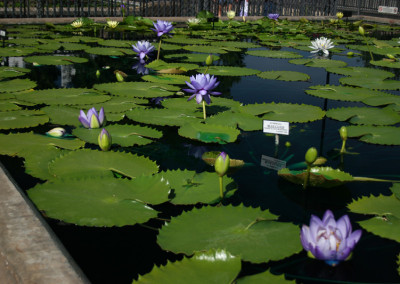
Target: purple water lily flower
273, 16
162, 27
328, 239
201, 87
92, 119
143, 48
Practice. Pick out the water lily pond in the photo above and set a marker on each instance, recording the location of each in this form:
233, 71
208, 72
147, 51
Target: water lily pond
160, 163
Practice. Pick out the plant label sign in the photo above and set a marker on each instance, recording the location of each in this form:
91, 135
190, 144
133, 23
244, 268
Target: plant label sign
388, 10
276, 127
272, 163
2, 33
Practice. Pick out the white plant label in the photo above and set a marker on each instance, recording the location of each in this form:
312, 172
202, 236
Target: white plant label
272, 163
388, 10
276, 127
2, 33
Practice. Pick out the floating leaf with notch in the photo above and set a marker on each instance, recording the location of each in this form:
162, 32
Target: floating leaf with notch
209, 133
364, 115
284, 75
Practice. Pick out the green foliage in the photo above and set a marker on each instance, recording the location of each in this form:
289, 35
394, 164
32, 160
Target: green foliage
364, 115
209, 133
284, 75
55, 60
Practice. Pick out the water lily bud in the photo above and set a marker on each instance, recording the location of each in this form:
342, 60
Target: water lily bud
288, 144
332, 21
361, 30
98, 74
311, 155
56, 132
119, 77
339, 15
94, 122
222, 164
343, 133
391, 56
209, 60
350, 53
105, 140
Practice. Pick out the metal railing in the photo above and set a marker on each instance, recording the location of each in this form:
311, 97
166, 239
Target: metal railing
182, 8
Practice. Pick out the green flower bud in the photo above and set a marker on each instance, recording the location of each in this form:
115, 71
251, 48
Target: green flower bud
391, 56
222, 164
361, 30
311, 155
343, 133
94, 122
350, 53
288, 144
119, 77
56, 132
104, 140
209, 60
98, 74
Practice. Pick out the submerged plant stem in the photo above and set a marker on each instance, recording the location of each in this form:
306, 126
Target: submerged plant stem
370, 53
305, 184
343, 150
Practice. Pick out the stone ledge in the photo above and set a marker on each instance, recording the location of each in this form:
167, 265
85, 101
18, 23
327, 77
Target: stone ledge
29, 251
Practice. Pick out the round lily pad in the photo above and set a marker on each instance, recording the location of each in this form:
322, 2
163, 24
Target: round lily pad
249, 232
9, 72
323, 63
189, 187
98, 163
237, 44
167, 79
162, 116
371, 83
16, 85
214, 266
22, 119
382, 135
71, 96
343, 93
55, 60
361, 72
244, 121
8, 105
265, 277
191, 57
90, 202
116, 43
205, 49
110, 51
386, 63
209, 133
284, 75
364, 115
137, 89
230, 71
123, 135
285, 112
274, 53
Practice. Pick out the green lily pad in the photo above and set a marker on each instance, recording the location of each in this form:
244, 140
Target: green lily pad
123, 135
364, 115
386, 223
191, 57
116, 43
161, 116
162, 65
386, 63
16, 85
205, 49
382, 135
110, 51
274, 53
209, 133
244, 121
249, 232
319, 177
9, 72
17, 51
218, 105
322, 63
119, 105
71, 96
390, 101
190, 187
361, 72
186, 40
265, 277
371, 83
23, 144
37, 160
343, 93
137, 89
55, 60
98, 163
62, 115
230, 71
87, 202
167, 79
285, 112
74, 46
210, 157
237, 44
213, 266
8, 105
22, 119
284, 75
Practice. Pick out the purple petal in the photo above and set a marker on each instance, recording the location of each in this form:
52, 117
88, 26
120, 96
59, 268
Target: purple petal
84, 122
191, 97
207, 99
344, 226
199, 98
101, 116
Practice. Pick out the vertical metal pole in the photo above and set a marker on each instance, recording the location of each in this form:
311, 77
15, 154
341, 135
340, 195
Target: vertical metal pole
13, 9
359, 7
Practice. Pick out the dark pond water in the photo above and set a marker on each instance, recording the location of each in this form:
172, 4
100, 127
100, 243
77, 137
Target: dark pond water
119, 255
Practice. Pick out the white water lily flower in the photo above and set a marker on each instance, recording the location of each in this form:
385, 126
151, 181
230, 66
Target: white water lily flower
193, 21
321, 44
77, 23
112, 24
231, 14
